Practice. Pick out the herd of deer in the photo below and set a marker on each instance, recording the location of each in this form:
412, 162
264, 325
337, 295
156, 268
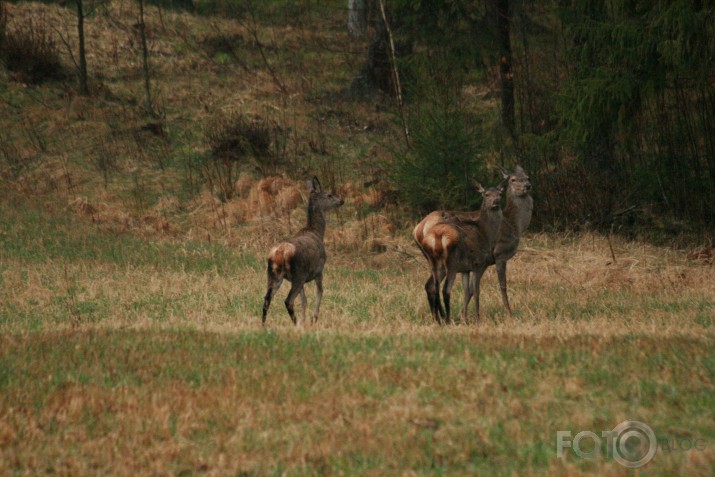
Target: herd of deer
452, 242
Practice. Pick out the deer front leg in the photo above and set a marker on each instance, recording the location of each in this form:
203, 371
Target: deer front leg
319, 297
467, 296
501, 274
476, 284
295, 289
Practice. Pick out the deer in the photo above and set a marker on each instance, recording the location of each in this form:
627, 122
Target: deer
458, 242
516, 219
301, 258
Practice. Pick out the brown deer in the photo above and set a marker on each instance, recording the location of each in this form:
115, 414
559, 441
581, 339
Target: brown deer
301, 258
516, 218
458, 243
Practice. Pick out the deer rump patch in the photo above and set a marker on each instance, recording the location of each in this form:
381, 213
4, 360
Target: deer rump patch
280, 257
426, 225
439, 240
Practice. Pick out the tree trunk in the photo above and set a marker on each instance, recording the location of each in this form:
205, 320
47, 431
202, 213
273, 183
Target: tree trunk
83, 86
357, 18
503, 22
145, 57
376, 72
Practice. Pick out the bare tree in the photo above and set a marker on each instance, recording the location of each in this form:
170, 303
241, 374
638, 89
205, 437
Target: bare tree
503, 26
82, 66
357, 18
145, 59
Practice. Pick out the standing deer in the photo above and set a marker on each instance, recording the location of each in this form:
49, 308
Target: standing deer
302, 257
517, 216
421, 229
458, 243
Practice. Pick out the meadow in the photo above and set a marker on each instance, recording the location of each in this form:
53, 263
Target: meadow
127, 356
130, 294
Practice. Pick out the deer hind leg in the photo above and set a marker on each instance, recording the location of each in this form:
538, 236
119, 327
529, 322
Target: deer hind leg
435, 306
303, 301
274, 283
319, 297
447, 293
295, 290
432, 289
501, 274
429, 284
441, 272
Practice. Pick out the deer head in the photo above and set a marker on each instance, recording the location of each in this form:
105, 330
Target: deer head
518, 182
321, 200
491, 197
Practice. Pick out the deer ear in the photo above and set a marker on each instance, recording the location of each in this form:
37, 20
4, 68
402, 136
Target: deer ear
504, 173
479, 186
519, 170
502, 185
316, 185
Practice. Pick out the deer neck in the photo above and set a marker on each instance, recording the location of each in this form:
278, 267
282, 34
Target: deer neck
491, 222
316, 220
518, 212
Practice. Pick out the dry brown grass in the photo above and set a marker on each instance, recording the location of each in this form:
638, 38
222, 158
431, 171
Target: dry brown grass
560, 286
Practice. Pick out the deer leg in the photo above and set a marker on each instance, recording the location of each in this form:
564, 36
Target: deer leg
303, 301
475, 286
447, 292
501, 274
435, 305
429, 289
429, 284
467, 296
433, 284
294, 291
274, 283
319, 297
438, 303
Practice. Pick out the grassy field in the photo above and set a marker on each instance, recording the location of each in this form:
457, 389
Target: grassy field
130, 296
121, 355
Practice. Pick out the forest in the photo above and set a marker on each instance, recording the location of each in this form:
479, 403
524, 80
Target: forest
609, 105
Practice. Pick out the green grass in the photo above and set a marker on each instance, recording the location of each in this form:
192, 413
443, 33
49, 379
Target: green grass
322, 403
35, 236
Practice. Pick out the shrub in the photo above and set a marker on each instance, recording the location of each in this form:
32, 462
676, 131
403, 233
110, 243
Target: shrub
234, 141
437, 169
30, 51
